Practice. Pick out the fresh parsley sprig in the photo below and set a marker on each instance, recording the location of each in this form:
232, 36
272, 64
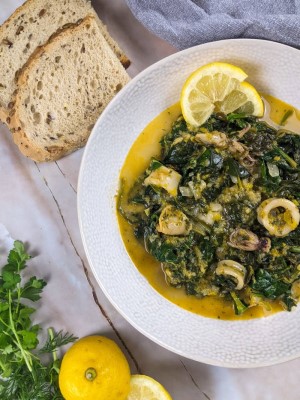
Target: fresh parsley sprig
23, 375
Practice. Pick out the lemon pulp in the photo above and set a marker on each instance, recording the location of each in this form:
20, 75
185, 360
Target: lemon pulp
143, 387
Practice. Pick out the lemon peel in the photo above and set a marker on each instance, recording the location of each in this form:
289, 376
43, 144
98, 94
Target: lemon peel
94, 367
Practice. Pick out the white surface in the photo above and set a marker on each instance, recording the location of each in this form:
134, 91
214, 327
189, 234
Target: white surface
223, 343
38, 205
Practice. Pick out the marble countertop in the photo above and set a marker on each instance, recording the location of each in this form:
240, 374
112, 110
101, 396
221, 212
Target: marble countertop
38, 206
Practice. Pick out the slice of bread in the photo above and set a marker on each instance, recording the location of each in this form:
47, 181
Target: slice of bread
62, 90
30, 26
114, 45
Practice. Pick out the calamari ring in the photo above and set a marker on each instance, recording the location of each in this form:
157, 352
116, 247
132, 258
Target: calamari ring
234, 269
173, 222
281, 224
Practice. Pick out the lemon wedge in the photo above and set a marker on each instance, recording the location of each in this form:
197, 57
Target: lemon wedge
143, 387
218, 87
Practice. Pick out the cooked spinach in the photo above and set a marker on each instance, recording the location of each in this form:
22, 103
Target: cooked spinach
207, 185
266, 284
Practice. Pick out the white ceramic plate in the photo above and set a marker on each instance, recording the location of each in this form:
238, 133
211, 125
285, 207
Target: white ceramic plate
273, 68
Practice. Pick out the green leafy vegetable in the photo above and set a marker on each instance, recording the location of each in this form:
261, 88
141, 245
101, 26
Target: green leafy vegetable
23, 375
239, 305
228, 167
295, 249
236, 170
287, 158
271, 287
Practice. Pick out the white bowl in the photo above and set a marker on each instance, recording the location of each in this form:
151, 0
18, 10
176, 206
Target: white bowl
273, 68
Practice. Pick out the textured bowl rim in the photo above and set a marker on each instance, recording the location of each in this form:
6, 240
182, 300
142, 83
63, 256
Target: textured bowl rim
81, 177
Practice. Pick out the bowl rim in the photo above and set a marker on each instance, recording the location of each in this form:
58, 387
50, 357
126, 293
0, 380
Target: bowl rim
123, 92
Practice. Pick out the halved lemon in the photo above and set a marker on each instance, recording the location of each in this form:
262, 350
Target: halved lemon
143, 387
218, 87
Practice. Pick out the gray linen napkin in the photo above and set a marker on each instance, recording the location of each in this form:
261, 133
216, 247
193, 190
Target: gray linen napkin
186, 23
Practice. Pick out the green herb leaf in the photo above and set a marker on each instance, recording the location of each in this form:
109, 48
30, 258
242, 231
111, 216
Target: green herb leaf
10, 279
56, 340
33, 288
22, 374
18, 256
29, 339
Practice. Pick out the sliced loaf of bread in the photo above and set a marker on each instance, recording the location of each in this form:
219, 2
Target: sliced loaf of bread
30, 26
62, 90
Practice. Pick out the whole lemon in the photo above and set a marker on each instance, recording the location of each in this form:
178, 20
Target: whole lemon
94, 368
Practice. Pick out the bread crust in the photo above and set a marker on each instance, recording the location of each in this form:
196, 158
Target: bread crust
3, 114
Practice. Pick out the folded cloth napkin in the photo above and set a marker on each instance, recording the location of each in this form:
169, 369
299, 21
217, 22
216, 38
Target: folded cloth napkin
186, 23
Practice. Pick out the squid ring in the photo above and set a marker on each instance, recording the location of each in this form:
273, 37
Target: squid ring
233, 269
173, 222
278, 223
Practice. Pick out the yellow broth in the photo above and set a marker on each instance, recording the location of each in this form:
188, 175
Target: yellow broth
144, 148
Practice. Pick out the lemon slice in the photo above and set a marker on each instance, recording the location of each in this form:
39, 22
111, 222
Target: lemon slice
143, 387
254, 104
243, 99
218, 87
